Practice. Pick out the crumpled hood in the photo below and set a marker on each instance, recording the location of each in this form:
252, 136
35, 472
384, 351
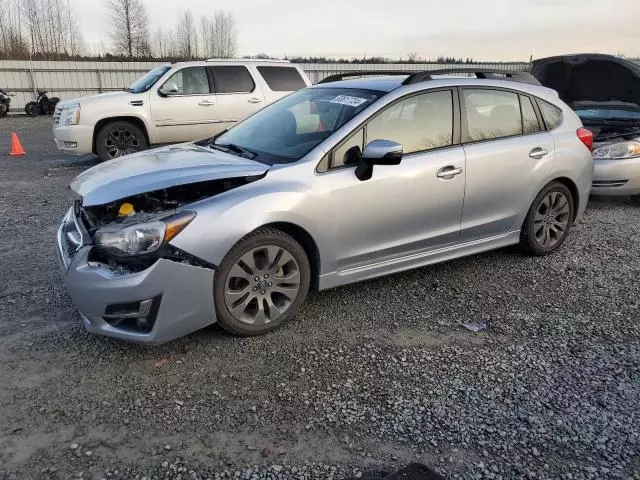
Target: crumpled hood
590, 77
157, 169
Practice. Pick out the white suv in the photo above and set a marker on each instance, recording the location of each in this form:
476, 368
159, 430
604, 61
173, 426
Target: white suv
173, 103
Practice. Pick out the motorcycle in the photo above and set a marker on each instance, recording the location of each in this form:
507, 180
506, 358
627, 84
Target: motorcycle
5, 100
42, 106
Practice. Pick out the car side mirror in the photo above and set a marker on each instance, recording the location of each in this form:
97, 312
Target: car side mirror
378, 152
168, 89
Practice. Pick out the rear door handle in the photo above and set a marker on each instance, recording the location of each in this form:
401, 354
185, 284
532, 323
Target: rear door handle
255, 100
206, 103
538, 153
449, 172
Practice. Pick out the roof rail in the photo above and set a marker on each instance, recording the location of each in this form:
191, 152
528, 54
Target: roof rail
493, 74
361, 73
266, 60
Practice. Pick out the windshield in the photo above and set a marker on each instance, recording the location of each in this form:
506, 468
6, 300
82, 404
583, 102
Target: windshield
608, 114
288, 129
145, 83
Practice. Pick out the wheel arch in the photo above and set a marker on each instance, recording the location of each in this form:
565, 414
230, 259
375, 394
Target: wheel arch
138, 122
306, 241
575, 193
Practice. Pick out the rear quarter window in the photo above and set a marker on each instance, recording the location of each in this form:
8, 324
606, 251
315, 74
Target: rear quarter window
282, 79
551, 114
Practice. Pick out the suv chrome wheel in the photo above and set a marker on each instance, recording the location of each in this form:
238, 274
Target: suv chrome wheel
121, 141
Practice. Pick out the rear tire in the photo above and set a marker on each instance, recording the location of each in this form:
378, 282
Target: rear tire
261, 283
635, 199
32, 109
119, 138
548, 221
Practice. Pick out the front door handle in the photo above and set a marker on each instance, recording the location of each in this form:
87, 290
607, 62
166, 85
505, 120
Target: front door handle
448, 173
255, 100
206, 103
538, 153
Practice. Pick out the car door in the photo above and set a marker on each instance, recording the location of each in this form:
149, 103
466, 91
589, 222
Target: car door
237, 93
403, 209
184, 108
508, 156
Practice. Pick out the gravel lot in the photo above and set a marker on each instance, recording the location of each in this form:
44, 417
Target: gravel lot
367, 378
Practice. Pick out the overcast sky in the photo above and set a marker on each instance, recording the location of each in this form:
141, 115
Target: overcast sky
482, 29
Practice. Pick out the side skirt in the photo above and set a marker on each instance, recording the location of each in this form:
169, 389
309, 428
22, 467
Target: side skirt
415, 260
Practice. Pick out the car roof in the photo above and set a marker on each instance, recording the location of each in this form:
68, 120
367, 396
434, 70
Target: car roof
390, 83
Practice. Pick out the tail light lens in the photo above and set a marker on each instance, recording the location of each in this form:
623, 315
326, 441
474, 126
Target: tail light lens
586, 137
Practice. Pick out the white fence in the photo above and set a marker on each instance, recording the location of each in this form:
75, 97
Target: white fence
77, 79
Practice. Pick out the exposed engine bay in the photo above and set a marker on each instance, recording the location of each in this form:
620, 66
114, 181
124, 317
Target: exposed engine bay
145, 206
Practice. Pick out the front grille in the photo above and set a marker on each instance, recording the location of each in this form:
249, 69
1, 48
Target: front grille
56, 116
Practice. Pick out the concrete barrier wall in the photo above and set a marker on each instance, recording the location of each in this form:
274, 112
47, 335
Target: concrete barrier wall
69, 80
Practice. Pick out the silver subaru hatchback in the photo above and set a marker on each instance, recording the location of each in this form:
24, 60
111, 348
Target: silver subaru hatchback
336, 183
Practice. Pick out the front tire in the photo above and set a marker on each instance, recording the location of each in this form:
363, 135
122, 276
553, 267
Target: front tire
32, 109
548, 221
635, 199
261, 283
119, 138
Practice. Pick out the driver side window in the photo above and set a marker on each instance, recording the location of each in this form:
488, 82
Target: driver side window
189, 81
420, 122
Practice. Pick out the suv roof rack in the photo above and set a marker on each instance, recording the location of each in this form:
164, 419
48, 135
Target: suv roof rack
423, 76
266, 60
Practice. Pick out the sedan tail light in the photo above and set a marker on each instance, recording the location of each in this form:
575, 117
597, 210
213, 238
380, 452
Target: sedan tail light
586, 137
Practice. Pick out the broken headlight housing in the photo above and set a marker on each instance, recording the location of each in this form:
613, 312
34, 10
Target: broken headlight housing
141, 238
618, 151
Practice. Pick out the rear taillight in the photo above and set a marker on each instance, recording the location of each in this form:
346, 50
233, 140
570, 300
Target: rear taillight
586, 137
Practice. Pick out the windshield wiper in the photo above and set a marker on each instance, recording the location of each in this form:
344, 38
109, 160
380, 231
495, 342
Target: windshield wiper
234, 148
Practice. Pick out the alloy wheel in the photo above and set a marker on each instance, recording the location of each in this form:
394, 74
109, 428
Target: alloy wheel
262, 285
551, 219
121, 141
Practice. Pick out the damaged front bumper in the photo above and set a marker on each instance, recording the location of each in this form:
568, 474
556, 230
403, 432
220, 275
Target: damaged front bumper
165, 301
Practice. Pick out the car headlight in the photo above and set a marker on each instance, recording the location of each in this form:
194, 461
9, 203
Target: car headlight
70, 114
142, 238
618, 151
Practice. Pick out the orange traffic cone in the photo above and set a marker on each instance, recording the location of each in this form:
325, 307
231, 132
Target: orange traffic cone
16, 147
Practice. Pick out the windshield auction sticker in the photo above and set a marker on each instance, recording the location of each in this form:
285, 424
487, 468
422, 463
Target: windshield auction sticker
348, 100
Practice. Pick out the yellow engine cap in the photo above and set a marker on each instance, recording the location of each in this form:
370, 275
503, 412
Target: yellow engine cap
126, 209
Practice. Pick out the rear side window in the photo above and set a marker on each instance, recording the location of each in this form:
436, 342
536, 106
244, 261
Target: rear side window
282, 79
530, 123
551, 114
232, 79
491, 114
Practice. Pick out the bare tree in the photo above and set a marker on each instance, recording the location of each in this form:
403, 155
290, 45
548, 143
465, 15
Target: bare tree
187, 36
129, 33
13, 43
218, 35
39, 27
413, 57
